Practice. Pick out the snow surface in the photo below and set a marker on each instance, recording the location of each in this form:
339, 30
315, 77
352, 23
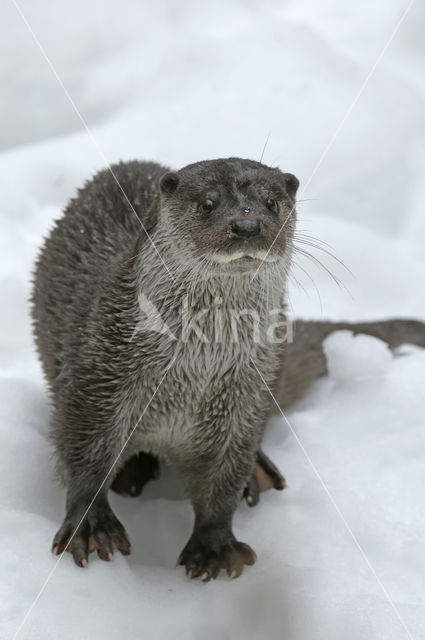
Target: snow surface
176, 82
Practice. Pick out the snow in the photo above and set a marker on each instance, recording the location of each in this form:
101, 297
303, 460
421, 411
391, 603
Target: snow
351, 358
177, 82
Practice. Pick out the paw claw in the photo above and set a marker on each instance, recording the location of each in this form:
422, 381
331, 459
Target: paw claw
102, 555
202, 560
251, 500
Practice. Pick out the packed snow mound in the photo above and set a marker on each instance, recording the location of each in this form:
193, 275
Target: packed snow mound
351, 358
341, 552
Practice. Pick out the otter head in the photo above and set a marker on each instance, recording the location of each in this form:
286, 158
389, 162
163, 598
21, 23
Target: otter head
234, 213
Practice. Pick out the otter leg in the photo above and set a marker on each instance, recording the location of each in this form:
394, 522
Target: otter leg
265, 476
135, 473
215, 477
212, 545
87, 447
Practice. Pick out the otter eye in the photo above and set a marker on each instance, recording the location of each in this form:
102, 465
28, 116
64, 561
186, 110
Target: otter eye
207, 206
271, 204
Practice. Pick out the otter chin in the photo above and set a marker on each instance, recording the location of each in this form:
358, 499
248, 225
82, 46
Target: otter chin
243, 257
241, 262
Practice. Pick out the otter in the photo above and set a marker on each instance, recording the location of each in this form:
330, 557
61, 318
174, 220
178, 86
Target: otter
141, 242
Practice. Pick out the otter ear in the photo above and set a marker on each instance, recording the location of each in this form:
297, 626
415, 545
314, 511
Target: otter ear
169, 182
292, 184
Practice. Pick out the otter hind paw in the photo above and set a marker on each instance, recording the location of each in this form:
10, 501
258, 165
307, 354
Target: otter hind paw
266, 476
136, 472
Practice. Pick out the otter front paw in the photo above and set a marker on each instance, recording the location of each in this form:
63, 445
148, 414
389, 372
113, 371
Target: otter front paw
99, 530
205, 559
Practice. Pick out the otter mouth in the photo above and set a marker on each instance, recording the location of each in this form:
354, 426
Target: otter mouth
242, 258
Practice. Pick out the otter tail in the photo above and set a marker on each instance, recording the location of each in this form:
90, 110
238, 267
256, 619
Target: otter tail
305, 360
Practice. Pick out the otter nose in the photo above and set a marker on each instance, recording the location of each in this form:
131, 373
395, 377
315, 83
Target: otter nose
244, 228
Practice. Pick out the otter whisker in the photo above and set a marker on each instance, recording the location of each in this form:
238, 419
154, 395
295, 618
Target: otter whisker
312, 282
304, 233
264, 147
314, 259
326, 251
299, 285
